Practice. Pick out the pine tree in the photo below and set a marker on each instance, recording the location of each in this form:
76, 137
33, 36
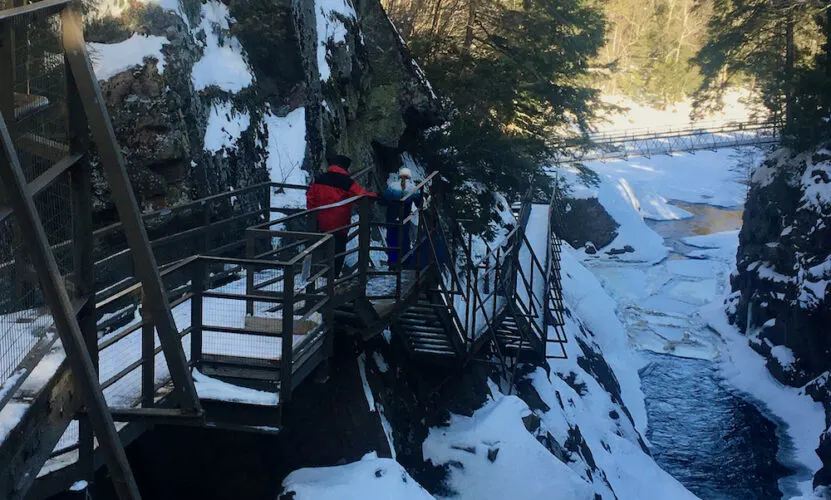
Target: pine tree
516, 77
777, 47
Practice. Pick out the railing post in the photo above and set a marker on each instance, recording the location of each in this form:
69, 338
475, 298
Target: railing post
249, 272
286, 357
148, 357
329, 311
472, 332
496, 282
196, 304
468, 285
363, 242
206, 223
418, 248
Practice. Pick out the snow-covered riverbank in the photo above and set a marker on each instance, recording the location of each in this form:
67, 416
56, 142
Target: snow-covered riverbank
670, 292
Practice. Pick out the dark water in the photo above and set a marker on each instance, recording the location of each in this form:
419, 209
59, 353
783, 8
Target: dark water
712, 440
715, 443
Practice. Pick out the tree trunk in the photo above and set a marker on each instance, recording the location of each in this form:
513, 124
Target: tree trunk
471, 19
789, 66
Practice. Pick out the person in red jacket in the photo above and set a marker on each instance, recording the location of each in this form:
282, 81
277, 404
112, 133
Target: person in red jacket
334, 186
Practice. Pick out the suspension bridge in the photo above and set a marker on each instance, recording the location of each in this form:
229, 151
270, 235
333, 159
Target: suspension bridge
654, 141
212, 313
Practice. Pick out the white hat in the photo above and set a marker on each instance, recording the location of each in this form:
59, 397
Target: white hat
405, 172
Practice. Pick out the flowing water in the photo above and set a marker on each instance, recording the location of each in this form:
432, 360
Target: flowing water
704, 433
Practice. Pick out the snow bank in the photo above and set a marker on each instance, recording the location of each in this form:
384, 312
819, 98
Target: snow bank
286, 151
110, 59
656, 207
712, 177
618, 197
371, 478
330, 15
499, 458
588, 301
223, 62
800, 418
225, 126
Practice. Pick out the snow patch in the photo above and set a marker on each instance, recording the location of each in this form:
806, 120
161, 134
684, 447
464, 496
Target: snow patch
225, 127
217, 390
110, 59
223, 62
330, 15
371, 478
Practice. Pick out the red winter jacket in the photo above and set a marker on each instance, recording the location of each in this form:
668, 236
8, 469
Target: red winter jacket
331, 187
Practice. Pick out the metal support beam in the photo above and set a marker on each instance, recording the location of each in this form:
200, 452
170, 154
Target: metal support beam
128, 210
80, 182
54, 291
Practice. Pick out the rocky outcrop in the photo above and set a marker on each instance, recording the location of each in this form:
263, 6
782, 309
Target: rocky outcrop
586, 224
202, 116
782, 297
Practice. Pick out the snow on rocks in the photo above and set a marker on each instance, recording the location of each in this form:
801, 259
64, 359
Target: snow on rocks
110, 59
286, 151
223, 63
225, 126
371, 478
802, 419
331, 30
498, 457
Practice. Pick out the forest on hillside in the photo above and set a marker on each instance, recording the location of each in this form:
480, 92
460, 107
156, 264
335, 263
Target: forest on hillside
523, 77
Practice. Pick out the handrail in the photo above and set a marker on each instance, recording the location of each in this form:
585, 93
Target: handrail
420, 185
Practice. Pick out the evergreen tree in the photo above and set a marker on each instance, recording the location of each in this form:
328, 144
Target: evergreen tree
516, 77
778, 47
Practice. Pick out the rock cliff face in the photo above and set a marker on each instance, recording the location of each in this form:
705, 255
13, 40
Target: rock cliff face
782, 297
207, 97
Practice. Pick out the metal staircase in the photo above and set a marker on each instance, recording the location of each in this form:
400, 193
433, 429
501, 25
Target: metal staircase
425, 330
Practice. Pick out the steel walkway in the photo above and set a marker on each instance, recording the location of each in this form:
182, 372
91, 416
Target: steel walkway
214, 312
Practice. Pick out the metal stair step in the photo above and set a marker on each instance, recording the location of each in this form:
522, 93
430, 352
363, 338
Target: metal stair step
435, 352
425, 329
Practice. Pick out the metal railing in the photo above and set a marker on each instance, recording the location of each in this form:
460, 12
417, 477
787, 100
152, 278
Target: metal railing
648, 142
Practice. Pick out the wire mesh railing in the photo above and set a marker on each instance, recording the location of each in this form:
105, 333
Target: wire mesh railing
33, 103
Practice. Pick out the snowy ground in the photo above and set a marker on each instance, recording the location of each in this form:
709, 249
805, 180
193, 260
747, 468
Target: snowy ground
670, 293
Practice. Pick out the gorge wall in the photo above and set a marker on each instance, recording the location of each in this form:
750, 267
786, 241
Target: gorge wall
209, 97
782, 297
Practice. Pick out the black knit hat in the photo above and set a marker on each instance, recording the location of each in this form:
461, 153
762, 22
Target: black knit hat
341, 161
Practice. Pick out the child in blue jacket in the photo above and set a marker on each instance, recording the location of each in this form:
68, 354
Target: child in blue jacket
398, 236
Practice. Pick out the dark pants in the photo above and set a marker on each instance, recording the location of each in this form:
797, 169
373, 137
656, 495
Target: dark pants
394, 232
340, 248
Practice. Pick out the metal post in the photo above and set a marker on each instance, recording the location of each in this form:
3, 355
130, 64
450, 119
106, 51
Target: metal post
82, 246
206, 222
250, 251
286, 357
418, 248
196, 303
125, 200
468, 266
60, 306
472, 333
329, 310
148, 357
363, 242
496, 282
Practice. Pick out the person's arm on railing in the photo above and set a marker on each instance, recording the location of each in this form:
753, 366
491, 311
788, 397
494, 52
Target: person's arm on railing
357, 190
